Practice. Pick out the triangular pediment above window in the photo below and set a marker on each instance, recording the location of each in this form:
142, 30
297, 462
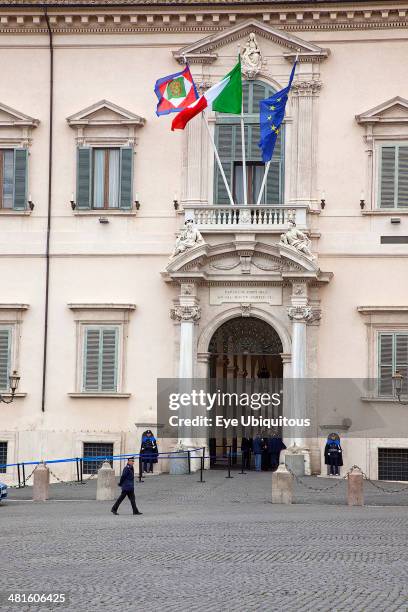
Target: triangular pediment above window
10, 117
391, 111
105, 113
205, 50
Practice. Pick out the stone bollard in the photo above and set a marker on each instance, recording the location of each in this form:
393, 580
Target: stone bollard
41, 483
282, 486
106, 488
355, 495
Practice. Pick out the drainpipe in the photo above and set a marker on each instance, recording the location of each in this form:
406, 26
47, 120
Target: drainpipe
47, 248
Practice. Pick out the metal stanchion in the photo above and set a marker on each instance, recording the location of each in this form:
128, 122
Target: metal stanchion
77, 468
242, 461
19, 476
201, 468
140, 469
24, 478
81, 470
189, 461
229, 464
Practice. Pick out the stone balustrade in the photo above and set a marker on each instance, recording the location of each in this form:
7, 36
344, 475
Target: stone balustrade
213, 218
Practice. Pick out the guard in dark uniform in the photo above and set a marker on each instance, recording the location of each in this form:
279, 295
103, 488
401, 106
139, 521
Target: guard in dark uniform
127, 483
333, 454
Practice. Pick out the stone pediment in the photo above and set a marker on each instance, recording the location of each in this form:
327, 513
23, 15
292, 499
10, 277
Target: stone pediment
105, 113
391, 111
242, 261
205, 50
10, 117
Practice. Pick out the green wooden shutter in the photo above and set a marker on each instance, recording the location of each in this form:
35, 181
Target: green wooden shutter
109, 360
126, 177
385, 364
101, 359
387, 187
5, 345
401, 357
20, 179
84, 178
91, 360
402, 201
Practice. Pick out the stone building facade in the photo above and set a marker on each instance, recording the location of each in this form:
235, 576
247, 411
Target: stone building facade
95, 189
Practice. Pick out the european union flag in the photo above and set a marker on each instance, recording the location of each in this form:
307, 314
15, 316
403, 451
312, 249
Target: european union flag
272, 113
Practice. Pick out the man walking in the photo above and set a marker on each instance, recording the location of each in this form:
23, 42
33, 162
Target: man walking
127, 482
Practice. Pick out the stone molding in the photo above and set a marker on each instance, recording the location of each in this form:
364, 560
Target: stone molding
190, 314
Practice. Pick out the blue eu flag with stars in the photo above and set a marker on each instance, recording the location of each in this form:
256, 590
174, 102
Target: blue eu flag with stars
272, 113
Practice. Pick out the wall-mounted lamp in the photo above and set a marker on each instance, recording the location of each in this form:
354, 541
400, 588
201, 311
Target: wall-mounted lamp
30, 202
362, 200
14, 379
103, 220
397, 384
175, 202
137, 202
323, 200
72, 202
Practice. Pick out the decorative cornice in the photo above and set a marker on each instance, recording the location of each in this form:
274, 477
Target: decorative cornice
88, 116
204, 51
103, 306
112, 17
17, 119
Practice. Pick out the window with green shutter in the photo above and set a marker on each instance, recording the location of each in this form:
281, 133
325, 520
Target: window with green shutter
13, 179
392, 357
393, 188
101, 359
104, 178
228, 141
5, 354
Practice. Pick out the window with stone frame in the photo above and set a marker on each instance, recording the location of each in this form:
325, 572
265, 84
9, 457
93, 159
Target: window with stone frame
104, 179
228, 141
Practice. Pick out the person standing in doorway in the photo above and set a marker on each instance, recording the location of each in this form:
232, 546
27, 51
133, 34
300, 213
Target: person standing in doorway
148, 451
127, 483
258, 446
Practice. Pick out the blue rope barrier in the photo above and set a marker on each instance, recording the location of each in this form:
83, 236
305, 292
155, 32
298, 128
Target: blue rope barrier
167, 455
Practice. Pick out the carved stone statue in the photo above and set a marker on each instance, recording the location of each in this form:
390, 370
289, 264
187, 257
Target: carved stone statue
251, 58
297, 240
189, 237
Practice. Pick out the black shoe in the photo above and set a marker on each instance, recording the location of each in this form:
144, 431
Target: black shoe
114, 512
138, 512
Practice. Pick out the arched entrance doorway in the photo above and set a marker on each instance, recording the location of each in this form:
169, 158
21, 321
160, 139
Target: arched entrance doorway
244, 357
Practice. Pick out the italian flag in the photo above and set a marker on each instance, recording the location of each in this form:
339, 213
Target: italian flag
223, 97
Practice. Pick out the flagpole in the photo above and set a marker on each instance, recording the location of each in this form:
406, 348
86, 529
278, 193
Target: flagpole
263, 183
244, 175
217, 157
265, 176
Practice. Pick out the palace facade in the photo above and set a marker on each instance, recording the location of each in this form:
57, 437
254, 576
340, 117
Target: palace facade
95, 188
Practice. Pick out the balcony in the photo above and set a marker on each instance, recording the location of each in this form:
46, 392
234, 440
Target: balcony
263, 218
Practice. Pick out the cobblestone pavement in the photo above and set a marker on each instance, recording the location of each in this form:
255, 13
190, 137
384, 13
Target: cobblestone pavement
218, 546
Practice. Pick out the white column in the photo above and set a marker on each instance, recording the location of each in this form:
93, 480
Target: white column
187, 312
